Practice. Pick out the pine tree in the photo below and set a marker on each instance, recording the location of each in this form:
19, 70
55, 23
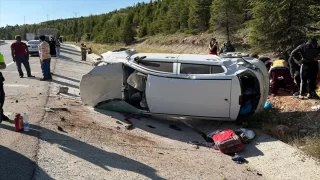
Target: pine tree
227, 16
277, 25
127, 33
199, 14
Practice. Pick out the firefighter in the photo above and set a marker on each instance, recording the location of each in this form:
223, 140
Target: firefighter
2, 94
309, 55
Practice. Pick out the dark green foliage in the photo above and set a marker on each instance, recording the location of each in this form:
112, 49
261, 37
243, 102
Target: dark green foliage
275, 25
279, 25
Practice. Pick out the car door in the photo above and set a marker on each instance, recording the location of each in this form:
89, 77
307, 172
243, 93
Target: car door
190, 95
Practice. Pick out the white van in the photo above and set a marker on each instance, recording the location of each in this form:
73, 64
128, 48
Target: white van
179, 85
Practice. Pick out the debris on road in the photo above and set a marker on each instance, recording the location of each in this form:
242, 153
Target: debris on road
267, 105
61, 129
127, 118
118, 122
316, 108
63, 90
53, 109
203, 144
152, 127
175, 127
227, 141
62, 119
238, 159
17, 101
246, 135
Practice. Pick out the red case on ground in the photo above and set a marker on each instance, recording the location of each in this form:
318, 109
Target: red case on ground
227, 141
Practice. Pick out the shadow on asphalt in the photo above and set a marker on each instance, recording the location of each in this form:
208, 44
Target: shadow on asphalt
68, 78
16, 166
70, 52
69, 49
87, 152
64, 84
65, 58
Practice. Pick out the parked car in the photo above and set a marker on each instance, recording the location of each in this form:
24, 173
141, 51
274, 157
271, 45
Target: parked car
184, 86
33, 47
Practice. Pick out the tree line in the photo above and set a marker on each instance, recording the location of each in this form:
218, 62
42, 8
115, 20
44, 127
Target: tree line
275, 25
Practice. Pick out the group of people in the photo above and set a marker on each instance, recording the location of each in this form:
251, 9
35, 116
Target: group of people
304, 68
214, 47
20, 55
302, 63
296, 71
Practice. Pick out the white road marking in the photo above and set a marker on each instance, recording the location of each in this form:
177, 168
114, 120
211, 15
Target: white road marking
16, 85
10, 63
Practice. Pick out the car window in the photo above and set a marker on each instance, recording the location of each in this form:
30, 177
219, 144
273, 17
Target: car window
216, 69
200, 69
158, 66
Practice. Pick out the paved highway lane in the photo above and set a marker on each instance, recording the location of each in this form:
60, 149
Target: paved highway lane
18, 151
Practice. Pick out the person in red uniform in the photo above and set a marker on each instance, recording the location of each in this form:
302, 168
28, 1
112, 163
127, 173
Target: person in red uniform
20, 55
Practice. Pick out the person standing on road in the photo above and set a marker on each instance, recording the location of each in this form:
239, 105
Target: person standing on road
309, 55
2, 94
83, 52
58, 48
45, 58
20, 55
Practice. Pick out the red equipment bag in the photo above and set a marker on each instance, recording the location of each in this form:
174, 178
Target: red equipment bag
227, 141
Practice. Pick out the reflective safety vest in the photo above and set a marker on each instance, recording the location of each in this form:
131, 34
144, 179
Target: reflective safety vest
1, 58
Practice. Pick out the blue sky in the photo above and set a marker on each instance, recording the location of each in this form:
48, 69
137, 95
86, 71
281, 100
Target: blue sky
13, 11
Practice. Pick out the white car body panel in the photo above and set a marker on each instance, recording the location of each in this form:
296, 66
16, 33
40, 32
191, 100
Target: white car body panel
33, 46
208, 96
101, 84
201, 98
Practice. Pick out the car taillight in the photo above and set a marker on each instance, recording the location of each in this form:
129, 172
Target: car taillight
240, 100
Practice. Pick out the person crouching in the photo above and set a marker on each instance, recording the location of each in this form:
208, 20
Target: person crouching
280, 76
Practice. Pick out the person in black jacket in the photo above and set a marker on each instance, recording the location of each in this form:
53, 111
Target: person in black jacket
306, 57
2, 93
295, 72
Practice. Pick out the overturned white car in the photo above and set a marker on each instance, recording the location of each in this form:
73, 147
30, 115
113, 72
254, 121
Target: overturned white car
177, 85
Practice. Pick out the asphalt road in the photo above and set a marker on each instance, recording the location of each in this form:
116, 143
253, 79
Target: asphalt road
18, 151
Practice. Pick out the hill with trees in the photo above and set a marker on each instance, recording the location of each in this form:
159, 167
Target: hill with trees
274, 25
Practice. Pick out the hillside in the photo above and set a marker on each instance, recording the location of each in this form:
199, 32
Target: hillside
271, 25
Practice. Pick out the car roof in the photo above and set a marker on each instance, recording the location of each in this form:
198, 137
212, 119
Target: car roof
230, 63
34, 41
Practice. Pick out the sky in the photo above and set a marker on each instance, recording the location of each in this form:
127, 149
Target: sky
14, 12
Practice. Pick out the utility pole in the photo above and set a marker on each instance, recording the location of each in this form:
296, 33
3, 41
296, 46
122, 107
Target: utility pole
24, 20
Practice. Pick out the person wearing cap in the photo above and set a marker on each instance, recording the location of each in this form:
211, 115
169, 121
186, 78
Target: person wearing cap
20, 55
2, 94
306, 56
